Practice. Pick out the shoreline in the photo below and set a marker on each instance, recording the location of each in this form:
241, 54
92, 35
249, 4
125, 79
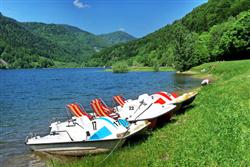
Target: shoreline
197, 75
145, 69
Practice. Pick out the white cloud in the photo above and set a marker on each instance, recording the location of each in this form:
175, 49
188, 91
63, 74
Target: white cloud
79, 4
121, 29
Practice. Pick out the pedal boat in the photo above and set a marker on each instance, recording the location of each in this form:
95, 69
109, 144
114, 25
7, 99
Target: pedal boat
80, 135
144, 108
161, 98
171, 98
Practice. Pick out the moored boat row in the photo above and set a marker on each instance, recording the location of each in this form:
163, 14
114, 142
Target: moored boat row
107, 127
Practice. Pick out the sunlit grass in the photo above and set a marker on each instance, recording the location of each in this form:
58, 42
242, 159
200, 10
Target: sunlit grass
145, 69
59, 64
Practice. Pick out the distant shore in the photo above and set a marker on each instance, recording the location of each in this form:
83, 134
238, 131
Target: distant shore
145, 69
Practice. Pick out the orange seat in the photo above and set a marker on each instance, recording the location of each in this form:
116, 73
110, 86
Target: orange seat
102, 110
78, 111
119, 100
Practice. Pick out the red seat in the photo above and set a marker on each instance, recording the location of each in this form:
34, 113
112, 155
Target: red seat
102, 110
78, 111
119, 100
164, 97
174, 94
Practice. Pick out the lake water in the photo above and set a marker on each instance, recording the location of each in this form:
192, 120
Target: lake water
29, 99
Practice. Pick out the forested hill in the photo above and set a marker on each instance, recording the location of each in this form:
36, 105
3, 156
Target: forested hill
117, 37
34, 45
21, 48
216, 30
78, 43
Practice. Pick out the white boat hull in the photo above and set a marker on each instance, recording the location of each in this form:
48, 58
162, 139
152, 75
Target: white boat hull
56, 144
78, 148
185, 99
152, 113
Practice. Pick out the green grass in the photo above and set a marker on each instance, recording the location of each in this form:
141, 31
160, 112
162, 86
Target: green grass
149, 69
59, 64
215, 131
145, 69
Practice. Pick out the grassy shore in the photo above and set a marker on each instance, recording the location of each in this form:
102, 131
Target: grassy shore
214, 131
59, 64
145, 69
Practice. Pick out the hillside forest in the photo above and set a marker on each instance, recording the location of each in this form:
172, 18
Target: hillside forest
216, 30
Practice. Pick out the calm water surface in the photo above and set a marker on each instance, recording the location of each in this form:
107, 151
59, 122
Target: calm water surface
29, 99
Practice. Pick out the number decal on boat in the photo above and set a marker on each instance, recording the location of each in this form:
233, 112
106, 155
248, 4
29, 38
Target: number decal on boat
94, 125
131, 107
116, 123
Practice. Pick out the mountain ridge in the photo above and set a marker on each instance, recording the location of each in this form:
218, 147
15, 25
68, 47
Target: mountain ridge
31, 43
117, 37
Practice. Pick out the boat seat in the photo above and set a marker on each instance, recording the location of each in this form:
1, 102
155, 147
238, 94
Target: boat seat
102, 110
120, 100
164, 97
175, 95
78, 111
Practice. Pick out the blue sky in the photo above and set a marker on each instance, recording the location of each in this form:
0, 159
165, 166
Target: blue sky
137, 17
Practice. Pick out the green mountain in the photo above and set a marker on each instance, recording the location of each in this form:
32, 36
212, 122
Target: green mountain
29, 45
80, 44
22, 49
216, 30
117, 37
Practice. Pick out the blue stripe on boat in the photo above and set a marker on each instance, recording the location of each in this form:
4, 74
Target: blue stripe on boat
123, 122
100, 134
107, 120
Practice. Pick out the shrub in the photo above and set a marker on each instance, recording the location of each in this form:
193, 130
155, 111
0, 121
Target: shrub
156, 66
120, 67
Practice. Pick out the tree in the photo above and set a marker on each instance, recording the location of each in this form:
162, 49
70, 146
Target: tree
190, 50
156, 66
235, 40
45, 63
179, 51
230, 40
120, 67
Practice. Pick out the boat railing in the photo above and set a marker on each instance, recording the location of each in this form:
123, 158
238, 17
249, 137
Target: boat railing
31, 135
34, 134
62, 131
58, 119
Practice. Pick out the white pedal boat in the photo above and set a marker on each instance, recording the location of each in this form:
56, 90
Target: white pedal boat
161, 98
80, 136
171, 98
144, 108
